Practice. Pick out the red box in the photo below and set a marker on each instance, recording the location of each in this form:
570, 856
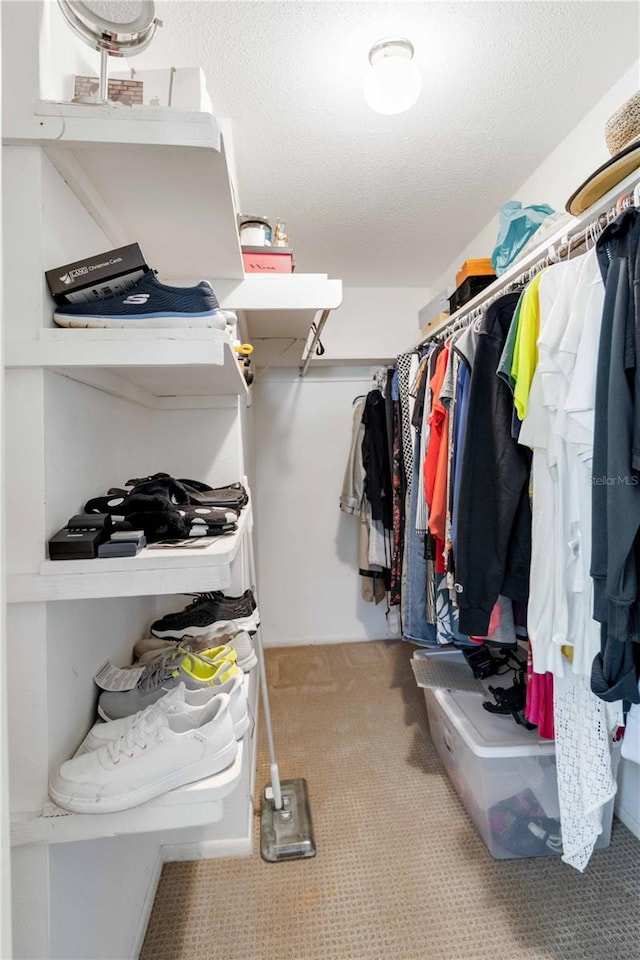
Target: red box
267, 261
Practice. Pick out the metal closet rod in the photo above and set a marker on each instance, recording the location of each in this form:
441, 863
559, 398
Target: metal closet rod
572, 240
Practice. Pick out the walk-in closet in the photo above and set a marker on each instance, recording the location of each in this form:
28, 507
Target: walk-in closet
320, 480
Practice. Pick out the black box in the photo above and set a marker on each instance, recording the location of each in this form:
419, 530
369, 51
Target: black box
96, 278
469, 289
121, 548
80, 539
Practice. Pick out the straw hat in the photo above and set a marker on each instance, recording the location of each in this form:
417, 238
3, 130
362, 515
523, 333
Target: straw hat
622, 134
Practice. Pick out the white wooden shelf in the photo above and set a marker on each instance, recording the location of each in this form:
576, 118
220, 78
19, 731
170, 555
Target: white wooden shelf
149, 367
158, 177
215, 802
195, 804
151, 572
278, 311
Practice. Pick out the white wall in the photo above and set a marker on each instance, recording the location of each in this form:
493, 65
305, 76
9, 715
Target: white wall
373, 322
628, 799
307, 548
5, 861
581, 152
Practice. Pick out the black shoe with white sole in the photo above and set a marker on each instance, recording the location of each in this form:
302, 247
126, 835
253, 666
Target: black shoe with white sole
199, 617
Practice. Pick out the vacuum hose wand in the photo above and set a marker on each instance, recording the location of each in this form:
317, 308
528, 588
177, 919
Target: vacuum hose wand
275, 775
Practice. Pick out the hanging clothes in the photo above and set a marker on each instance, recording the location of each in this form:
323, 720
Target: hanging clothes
616, 491
493, 549
353, 501
436, 461
375, 458
562, 633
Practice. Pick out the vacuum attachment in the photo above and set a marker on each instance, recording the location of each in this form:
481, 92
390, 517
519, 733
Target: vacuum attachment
287, 833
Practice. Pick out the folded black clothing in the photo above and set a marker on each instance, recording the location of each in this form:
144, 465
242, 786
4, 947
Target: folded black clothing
179, 524
169, 490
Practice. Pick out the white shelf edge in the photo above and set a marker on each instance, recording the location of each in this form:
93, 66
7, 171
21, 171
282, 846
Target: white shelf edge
112, 361
66, 123
279, 293
152, 572
195, 804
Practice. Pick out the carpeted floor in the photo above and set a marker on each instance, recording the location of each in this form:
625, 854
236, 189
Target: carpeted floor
400, 873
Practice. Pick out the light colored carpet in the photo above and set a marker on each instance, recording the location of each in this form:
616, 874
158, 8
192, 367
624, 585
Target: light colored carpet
400, 873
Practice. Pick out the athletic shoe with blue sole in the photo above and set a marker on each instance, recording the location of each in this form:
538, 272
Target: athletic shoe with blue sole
148, 303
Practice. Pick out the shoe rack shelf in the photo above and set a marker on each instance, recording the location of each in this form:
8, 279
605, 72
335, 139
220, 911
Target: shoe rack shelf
152, 572
194, 805
150, 367
161, 177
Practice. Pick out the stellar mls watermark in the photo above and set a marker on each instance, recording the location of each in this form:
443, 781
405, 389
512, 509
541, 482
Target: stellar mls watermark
619, 481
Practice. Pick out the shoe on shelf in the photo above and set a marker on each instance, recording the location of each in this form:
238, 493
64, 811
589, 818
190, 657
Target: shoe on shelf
180, 700
160, 492
224, 632
243, 649
148, 303
162, 676
157, 754
198, 618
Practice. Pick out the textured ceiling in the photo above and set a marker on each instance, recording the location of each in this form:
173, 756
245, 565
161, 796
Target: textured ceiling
391, 200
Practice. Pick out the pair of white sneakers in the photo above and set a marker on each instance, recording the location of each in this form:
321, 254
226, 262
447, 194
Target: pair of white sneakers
185, 736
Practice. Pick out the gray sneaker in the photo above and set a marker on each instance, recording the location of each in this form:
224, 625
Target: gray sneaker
223, 633
162, 676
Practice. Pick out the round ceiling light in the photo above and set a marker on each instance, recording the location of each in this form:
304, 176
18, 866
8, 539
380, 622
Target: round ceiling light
393, 82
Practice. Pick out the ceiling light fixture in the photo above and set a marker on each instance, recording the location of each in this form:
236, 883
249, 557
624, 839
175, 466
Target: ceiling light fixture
393, 81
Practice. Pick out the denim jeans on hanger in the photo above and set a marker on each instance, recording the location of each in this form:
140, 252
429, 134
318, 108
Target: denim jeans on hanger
415, 626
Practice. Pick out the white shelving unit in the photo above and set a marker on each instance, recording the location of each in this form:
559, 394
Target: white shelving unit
278, 311
194, 805
149, 367
151, 572
179, 203
158, 177
98, 406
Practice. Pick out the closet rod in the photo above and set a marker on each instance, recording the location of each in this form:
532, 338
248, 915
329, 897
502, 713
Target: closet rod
560, 244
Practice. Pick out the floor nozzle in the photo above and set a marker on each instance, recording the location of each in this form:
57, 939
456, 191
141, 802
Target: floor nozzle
287, 833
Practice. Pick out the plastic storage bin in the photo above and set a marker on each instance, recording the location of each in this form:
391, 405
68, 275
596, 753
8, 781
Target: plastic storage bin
505, 776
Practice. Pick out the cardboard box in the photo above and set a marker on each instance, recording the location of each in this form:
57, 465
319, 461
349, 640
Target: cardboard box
98, 277
433, 309
474, 268
267, 259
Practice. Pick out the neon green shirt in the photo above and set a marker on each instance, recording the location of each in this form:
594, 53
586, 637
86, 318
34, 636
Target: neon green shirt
525, 355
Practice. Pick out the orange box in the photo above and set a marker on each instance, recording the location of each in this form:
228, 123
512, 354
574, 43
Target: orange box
474, 268
267, 262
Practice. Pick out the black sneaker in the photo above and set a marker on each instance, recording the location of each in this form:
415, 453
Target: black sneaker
198, 617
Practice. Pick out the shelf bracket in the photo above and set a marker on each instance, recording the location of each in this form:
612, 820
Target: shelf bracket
324, 316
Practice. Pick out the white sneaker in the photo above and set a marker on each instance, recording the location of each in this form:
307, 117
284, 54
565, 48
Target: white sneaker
179, 700
165, 751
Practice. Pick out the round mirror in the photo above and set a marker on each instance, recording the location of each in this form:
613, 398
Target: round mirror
117, 28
